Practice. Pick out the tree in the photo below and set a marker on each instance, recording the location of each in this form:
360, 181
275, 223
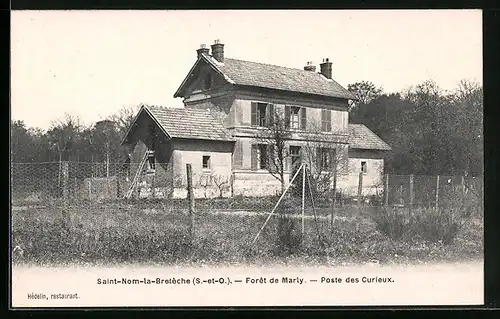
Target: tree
466, 130
364, 91
276, 135
105, 137
63, 134
24, 143
325, 158
124, 117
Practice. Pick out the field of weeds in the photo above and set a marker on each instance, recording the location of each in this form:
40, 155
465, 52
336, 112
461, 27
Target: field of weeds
159, 234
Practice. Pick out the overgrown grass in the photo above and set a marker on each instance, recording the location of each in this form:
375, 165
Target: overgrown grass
155, 232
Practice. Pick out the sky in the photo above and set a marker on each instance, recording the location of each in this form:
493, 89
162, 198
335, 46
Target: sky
90, 64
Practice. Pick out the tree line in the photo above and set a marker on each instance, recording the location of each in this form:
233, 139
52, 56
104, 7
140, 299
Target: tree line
431, 131
67, 139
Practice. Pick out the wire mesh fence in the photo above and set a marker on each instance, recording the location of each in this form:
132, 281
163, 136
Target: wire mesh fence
83, 206
77, 183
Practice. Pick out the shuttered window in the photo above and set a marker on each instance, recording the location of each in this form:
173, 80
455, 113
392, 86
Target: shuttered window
303, 117
260, 156
326, 120
326, 158
295, 117
262, 114
254, 156
254, 113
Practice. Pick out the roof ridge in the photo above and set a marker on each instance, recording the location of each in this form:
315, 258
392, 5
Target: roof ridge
275, 65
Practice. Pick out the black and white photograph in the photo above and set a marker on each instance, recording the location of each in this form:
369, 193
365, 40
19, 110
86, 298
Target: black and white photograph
190, 158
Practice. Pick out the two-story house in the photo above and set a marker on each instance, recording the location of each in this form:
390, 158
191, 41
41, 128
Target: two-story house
228, 104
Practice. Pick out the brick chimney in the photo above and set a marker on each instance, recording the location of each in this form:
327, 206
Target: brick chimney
202, 50
310, 67
218, 51
326, 68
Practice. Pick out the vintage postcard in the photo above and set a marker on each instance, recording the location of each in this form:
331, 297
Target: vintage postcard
246, 158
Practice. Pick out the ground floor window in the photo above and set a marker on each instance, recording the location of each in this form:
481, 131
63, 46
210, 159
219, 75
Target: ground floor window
260, 156
364, 167
151, 161
295, 157
206, 162
263, 156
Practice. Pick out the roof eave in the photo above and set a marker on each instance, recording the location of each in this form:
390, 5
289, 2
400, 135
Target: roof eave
129, 129
178, 93
144, 108
229, 140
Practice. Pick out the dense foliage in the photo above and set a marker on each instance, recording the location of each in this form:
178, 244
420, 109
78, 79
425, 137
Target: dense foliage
431, 131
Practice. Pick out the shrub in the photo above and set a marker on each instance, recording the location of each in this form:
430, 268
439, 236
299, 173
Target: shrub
428, 224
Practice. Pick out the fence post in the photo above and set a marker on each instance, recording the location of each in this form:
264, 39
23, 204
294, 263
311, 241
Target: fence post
65, 178
303, 199
462, 182
360, 187
411, 193
90, 188
386, 191
437, 192
191, 201
153, 186
334, 193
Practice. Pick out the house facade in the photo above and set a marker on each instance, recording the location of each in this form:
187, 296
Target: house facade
229, 107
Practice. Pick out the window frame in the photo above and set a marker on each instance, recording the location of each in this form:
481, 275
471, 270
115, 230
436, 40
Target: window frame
364, 168
295, 121
326, 120
262, 156
294, 156
262, 109
151, 161
209, 166
207, 82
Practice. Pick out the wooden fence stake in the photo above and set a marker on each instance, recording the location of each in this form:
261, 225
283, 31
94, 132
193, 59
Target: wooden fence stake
411, 193
65, 177
303, 200
334, 193
437, 193
360, 187
191, 202
386, 191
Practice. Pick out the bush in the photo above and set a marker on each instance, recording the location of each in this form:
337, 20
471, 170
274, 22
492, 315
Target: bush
428, 224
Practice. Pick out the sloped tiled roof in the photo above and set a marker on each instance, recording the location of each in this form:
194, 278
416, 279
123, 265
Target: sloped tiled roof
269, 76
361, 137
189, 123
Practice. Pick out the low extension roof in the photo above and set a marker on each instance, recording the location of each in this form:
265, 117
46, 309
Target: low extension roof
361, 137
186, 123
269, 76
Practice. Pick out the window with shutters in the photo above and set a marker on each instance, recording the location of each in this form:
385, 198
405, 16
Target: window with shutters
295, 156
326, 156
260, 156
326, 120
262, 114
263, 157
295, 117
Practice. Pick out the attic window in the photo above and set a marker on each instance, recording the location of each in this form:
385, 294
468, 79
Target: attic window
207, 82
